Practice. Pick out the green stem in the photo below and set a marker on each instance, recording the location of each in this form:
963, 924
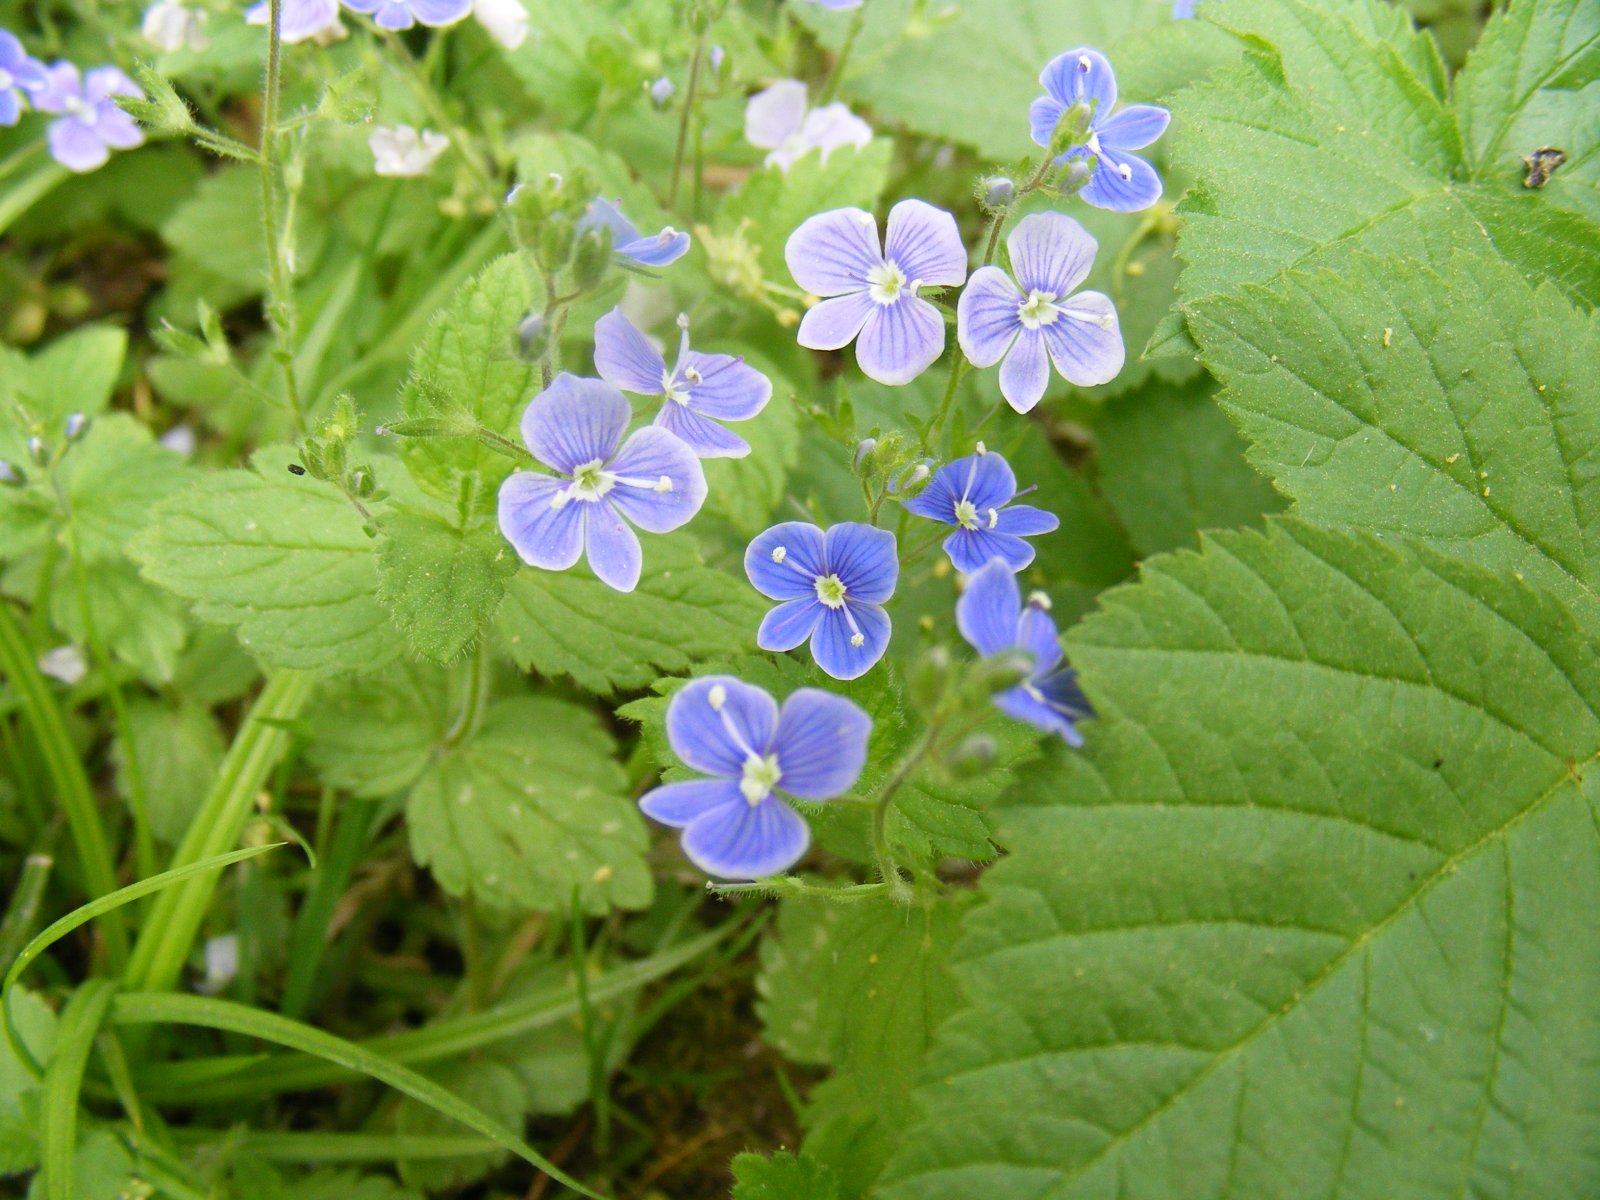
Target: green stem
280, 300
482, 176
474, 699
683, 122
176, 917
66, 774
881, 849
836, 77
23, 907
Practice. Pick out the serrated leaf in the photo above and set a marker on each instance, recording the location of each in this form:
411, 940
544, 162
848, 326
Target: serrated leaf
76, 373
281, 557
530, 810
374, 736
440, 584
781, 1177
1310, 914
683, 611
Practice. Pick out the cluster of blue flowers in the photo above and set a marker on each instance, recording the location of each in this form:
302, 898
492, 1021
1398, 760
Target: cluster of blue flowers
88, 125
831, 585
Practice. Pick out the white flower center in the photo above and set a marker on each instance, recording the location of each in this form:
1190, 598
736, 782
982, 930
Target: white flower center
761, 775
966, 514
830, 590
77, 106
674, 389
592, 480
1039, 309
885, 282
1093, 144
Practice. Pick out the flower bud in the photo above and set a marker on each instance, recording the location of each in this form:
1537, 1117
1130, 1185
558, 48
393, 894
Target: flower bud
38, 451
593, 257
532, 335
1072, 130
11, 475
77, 426
973, 757
1078, 172
661, 91
1002, 671
864, 451
555, 240
362, 483
716, 61
927, 678
998, 192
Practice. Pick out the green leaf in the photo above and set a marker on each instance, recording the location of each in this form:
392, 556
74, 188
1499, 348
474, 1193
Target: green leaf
1309, 915
682, 612
1334, 136
138, 622
375, 735
440, 584
529, 810
20, 1089
781, 1177
179, 750
748, 491
76, 373
283, 558
1456, 405
63, 1080
488, 1086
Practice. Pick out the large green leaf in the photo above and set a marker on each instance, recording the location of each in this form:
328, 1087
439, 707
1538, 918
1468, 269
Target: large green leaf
440, 583
1312, 913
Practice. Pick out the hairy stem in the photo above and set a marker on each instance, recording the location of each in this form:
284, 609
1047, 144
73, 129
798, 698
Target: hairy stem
689, 111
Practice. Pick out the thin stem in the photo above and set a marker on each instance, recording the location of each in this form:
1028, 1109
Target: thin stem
683, 122
881, 849
836, 77
473, 698
23, 907
280, 301
482, 176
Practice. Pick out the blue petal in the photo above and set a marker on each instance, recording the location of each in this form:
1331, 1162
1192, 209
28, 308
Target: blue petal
789, 624
986, 480
575, 421
988, 611
12, 53
1026, 371
625, 358
833, 324
74, 145
543, 536
900, 341
1082, 74
971, 549
1061, 691
718, 740
1043, 114
1109, 190
1025, 520
1134, 128
1036, 634
668, 246
603, 214
10, 106
923, 242
392, 14
821, 744
680, 804
986, 316
611, 546
802, 562
706, 438
741, 842
1085, 341
439, 13
937, 501
302, 19
1019, 704
865, 560
830, 253
650, 455
1050, 252
831, 643
730, 389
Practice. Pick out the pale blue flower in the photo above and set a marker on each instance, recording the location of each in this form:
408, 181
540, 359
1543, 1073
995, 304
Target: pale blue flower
1038, 319
1182, 9
974, 494
832, 588
90, 125
836, 5
737, 824
698, 391
653, 480
991, 616
873, 291
298, 20
1122, 181
20, 77
654, 250
403, 14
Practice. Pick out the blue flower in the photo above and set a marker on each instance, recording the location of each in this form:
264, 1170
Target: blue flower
1121, 181
19, 76
832, 588
991, 617
874, 291
575, 428
736, 824
656, 250
974, 494
299, 19
1182, 9
403, 14
700, 389
1038, 320
90, 125
836, 5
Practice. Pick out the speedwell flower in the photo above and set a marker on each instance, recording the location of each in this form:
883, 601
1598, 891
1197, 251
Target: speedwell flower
651, 250
300, 20
90, 125
20, 77
974, 494
777, 119
575, 428
401, 152
1038, 320
874, 291
699, 389
1122, 181
991, 616
403, 14
736, 825
832, 587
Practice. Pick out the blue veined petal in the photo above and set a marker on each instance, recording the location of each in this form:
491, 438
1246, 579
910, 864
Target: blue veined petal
603, 214
1134, 128
716, 722
730, 389
988, 611
1061, 691
439, 13
985, 480
830, 253
1082, 74
656, 250
393, 14
1026, 371
706, 438
900, 341
925, 244
833, 643
1085, 341
800, 559
660, 482
1020, 704
543, 535
986, 316
1036, 633
821, 744
972, 549
610, 545
625, 358
739, 841
1108, 189
937, 501
776, 114
1051, 253
790, 623
680, 804
834, 323
574, 422
865, 560
1043, 114
1025, 520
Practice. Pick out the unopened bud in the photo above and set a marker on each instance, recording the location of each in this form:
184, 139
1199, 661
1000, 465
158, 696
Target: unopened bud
38, 451
998, 192
593, 257
864, 451
1078, 173
1002, 671
532, 335
661, 91
716, 61
927, 678
973, 757
11, 475
362, 482
77, 426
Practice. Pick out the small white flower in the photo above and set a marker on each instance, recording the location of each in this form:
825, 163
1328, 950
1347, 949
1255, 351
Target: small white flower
505, 20
402, 151
168, 25
65, 663
222, 964
179, 439
778, 120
